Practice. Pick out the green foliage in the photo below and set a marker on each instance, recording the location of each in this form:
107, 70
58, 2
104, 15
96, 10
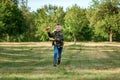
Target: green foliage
11, 19
29, 35
100, 22
105, 20
76, 23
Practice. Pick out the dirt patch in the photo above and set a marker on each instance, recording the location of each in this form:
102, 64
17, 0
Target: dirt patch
66, 43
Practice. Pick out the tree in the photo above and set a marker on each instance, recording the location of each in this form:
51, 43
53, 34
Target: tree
11, 19
105, 18
29, 35
75, 21
48, 15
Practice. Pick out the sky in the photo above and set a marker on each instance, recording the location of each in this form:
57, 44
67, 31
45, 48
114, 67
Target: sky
36, 4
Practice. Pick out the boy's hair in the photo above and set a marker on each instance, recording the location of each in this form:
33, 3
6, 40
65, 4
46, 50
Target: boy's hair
58, 24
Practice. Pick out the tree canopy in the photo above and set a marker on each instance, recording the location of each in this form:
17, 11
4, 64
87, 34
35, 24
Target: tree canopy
99, 22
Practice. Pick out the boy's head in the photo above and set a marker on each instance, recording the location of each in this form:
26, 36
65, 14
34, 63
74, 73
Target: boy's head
58, 27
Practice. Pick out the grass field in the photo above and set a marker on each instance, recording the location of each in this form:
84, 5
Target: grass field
84, 61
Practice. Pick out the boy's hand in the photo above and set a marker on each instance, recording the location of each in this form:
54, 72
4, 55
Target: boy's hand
47, 28
51, 39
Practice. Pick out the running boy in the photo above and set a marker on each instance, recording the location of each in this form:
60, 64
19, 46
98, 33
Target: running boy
57, 42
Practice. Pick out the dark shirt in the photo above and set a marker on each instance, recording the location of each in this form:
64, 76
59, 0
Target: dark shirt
58, 36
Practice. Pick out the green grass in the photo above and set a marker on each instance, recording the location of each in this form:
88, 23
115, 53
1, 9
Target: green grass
79, 62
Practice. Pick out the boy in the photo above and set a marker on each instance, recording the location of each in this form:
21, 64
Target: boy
57, 42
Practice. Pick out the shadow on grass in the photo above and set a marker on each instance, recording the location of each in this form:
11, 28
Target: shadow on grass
92, 57
40, 59
81, 57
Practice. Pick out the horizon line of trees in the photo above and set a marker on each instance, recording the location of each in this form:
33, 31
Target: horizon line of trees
99, 22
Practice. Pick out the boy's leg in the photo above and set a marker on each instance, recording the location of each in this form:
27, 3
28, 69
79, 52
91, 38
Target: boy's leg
59, 54
55, 55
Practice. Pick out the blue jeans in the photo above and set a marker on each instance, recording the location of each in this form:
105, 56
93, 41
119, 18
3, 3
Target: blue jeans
57, 53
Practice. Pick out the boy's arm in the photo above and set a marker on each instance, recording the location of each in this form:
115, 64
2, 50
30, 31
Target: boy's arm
51, 35
48, 31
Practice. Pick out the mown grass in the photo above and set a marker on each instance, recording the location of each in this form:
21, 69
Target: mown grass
79, 62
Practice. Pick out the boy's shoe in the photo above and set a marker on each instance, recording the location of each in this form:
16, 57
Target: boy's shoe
59, 60
54, 64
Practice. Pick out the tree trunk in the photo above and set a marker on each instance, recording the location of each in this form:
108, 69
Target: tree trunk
75, 39
7, 37
110, 36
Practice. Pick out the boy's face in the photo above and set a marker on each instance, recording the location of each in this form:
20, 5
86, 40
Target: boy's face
58, 28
